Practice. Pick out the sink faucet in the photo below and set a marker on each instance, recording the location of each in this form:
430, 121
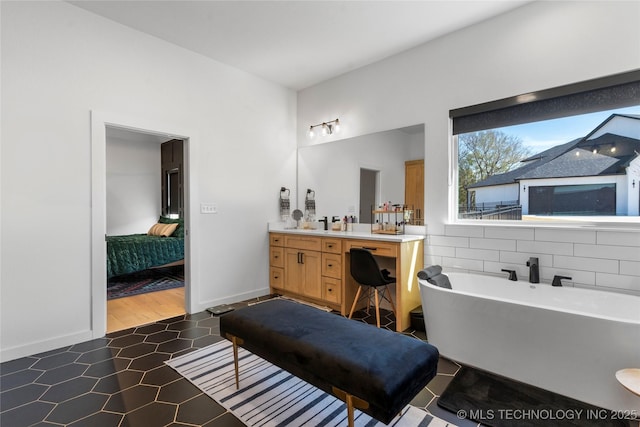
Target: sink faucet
534, 273
326, 221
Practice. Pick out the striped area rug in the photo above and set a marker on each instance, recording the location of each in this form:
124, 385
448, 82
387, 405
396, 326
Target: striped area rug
269, 396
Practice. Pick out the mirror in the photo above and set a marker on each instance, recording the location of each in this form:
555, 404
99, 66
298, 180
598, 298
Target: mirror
172, 196
334, 169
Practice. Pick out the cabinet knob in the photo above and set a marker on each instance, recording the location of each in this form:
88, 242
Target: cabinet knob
330, 265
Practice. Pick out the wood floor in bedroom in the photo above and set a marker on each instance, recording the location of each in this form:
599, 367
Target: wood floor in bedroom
127, 312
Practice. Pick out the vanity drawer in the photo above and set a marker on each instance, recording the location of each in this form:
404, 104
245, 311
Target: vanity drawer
276, 277
331, 290
303, 242
276, 256
332, 265
332, 245
387, 249
276, 239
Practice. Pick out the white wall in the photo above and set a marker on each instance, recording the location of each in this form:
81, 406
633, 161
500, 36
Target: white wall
60, 62
133, 183
538, 46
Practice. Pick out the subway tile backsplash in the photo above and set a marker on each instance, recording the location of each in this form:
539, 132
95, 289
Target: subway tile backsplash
597, 259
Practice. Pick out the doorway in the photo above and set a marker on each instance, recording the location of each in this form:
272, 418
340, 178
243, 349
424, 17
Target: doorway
368, 191
144, 185
100, 121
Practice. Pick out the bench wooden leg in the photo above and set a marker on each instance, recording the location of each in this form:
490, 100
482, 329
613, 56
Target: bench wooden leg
235, 341
352, 402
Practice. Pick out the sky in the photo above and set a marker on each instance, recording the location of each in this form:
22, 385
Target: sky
539, 136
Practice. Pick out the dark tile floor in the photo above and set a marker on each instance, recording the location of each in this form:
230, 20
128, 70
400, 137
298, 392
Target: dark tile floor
121, 380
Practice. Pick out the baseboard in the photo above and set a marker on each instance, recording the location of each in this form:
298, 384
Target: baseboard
233, 298
42, 346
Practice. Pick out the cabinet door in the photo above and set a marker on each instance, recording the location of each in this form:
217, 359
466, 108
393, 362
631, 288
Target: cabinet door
311, 285
293, 271
302, 272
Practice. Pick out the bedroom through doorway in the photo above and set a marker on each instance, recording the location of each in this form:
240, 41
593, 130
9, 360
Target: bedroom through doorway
144, 227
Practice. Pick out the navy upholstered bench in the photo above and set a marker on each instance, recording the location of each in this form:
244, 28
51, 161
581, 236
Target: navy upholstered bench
375, 370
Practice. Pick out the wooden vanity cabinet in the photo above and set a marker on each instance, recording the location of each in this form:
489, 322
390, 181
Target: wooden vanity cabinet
316, 268
306, 266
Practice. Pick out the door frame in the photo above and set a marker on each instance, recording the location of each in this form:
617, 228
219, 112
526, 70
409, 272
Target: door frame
99, 123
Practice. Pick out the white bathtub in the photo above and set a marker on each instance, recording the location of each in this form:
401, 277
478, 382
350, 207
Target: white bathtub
563, 339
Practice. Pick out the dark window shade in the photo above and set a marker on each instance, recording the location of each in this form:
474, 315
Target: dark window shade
618, 91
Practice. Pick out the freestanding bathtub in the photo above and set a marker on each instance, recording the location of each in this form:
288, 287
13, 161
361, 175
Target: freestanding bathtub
567, 340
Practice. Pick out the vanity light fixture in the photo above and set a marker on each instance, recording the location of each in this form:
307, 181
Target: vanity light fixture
326, 128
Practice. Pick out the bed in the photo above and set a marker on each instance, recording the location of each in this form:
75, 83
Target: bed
136, 252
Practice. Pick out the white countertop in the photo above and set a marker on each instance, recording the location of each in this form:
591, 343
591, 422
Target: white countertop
358, 233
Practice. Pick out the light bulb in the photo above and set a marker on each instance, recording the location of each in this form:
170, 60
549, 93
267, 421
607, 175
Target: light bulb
311, 132
613, 149
336, 127
325, 129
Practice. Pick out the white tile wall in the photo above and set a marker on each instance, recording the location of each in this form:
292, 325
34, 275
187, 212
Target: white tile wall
599, 259
591, 264
618, 238
553, 248
495, 244
563, 235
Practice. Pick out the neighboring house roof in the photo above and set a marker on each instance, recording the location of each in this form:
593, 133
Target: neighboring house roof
561, 161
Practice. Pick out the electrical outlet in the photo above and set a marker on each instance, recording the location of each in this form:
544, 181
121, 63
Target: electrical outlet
208, 208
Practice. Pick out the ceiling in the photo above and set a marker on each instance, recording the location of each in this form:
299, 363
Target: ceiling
298, 43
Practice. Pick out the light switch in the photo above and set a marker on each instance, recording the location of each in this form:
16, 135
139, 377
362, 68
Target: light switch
208, 208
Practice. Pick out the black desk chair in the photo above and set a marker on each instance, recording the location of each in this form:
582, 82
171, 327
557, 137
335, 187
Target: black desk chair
365, 270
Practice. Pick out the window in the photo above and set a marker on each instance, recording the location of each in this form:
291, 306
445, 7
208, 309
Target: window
568, 153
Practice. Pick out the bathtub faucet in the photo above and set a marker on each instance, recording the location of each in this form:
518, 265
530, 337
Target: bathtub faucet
512, 274
534, 272
557, 280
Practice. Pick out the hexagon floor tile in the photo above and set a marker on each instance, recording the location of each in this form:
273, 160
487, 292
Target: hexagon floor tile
121, 380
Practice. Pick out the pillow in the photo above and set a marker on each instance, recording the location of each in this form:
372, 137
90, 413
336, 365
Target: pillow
162, 230
180, 221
